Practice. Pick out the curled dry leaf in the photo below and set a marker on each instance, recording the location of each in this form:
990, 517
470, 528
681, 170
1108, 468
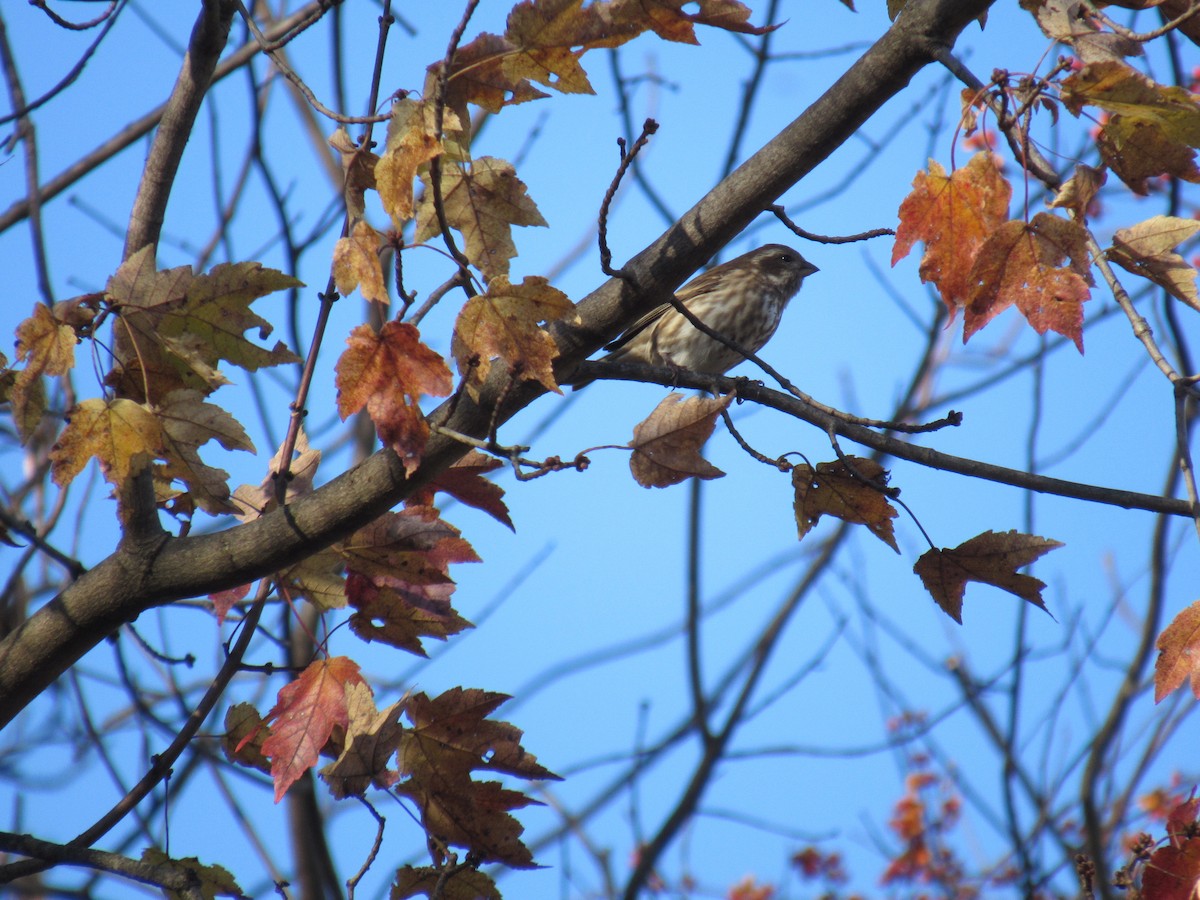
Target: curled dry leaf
1147, 248
666, 445
837, 490
372, 737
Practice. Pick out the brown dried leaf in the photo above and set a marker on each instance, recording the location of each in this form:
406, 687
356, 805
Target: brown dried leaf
175, 326
245, 731
1146, 250
123, 436
666, 445
187, 423
1080, 190
464, 482
358, 171
372, 736
988, 558
461, 884
835, 490
400, 614
414, 545
412, 142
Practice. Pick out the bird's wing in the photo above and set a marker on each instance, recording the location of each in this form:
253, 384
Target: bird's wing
702, 284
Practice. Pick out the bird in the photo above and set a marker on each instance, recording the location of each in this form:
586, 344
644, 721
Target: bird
742, 299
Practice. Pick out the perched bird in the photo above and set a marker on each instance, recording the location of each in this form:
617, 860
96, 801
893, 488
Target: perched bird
742, 299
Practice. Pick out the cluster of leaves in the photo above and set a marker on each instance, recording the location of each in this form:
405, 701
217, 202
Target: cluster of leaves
173, 329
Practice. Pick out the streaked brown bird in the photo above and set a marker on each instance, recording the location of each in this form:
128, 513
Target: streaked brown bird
742, 299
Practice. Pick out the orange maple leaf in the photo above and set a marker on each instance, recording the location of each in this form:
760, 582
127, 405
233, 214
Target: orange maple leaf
304, 716
1020, 263
387, 372
954, 215
1178, 654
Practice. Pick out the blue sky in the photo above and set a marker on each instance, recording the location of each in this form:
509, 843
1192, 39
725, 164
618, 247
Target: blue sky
597, 561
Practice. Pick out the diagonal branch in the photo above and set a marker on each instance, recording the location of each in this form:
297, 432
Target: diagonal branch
137, 577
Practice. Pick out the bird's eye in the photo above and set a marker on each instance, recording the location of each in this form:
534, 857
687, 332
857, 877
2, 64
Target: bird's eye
786, 258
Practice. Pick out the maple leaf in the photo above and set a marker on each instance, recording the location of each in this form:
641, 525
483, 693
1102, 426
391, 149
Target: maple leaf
460, 884
451, 736
666, 445
1080, 190
1178, 654
667, 19
464, 482
1153, 128
482, 202
124, 437
412, 141
387, 372
1145, 249
210, 881
1068, 22
1020, 263
358, 171
253, 502
318, 578
504, 323
400, 614
953, 215
304, 716
414, 545
372, 736
245, 732
46, 344
356, 264
187, 423
542, 35
175, 326
836, 489
987, 558
224, 601
1173, 870
452, 732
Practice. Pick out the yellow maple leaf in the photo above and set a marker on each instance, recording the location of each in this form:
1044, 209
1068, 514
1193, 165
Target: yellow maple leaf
356, 264
124, 436
482, 202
